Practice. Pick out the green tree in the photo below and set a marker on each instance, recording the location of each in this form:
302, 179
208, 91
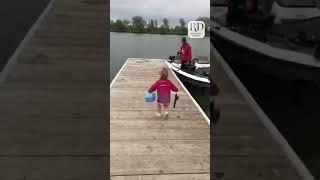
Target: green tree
156, 27
166, 23
126, 24
138, 24
111, 25
177, 30
182, 22
156, 23
164, 28
117, 26
150, 26
183, 29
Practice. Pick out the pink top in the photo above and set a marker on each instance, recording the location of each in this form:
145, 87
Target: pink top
185, 51
164, 88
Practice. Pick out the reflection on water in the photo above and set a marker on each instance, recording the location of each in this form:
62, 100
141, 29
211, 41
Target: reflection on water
129, 45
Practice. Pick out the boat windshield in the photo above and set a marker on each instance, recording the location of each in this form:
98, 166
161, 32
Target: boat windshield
297, 3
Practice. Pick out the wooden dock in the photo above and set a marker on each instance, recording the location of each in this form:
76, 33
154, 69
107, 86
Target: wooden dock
53, 93
145, 147
246, 144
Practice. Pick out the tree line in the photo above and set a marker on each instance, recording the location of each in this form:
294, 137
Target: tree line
139, 25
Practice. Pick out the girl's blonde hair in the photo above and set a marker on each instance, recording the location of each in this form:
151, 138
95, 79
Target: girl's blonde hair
164, 73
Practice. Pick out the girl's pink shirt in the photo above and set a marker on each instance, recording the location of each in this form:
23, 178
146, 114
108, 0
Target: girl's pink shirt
163, 87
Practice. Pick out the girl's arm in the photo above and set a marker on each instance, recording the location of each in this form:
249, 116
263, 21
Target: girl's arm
153, 87
173, 87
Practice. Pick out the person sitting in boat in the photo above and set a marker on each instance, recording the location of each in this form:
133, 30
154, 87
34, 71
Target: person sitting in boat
185, 53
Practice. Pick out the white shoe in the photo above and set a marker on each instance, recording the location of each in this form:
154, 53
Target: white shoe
158, 114
166, 115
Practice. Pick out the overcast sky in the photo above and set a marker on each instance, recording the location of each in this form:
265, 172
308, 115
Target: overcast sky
159, 9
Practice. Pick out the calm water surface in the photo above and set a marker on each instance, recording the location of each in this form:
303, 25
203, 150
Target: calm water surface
129, 45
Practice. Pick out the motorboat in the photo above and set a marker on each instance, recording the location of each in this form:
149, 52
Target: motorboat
280, 38
196, 73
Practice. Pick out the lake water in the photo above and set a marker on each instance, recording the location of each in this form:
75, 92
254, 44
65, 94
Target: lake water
130, 45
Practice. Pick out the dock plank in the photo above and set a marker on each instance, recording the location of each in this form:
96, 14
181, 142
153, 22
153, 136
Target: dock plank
52, 168
53, 98
131, 114
244, 168
163, 177
244, 147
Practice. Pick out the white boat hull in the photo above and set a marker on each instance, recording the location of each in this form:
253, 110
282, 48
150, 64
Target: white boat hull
176, 68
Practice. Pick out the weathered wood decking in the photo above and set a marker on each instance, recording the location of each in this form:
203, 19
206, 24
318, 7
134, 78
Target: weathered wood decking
53, 110
145, 147
246, 145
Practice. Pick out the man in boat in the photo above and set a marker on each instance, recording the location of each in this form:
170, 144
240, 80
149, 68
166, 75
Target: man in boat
185, 53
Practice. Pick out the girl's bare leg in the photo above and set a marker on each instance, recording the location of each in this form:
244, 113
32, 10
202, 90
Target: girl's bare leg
166, 108
158, 113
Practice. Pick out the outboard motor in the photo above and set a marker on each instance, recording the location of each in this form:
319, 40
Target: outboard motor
172, 58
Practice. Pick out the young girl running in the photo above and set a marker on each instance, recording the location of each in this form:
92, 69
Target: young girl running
164, 87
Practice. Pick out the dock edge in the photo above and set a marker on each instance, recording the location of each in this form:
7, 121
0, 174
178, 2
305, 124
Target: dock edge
302, 170
13, 59
188, 93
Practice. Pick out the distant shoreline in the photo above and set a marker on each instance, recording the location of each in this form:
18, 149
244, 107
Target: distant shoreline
139, 25
149, 33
